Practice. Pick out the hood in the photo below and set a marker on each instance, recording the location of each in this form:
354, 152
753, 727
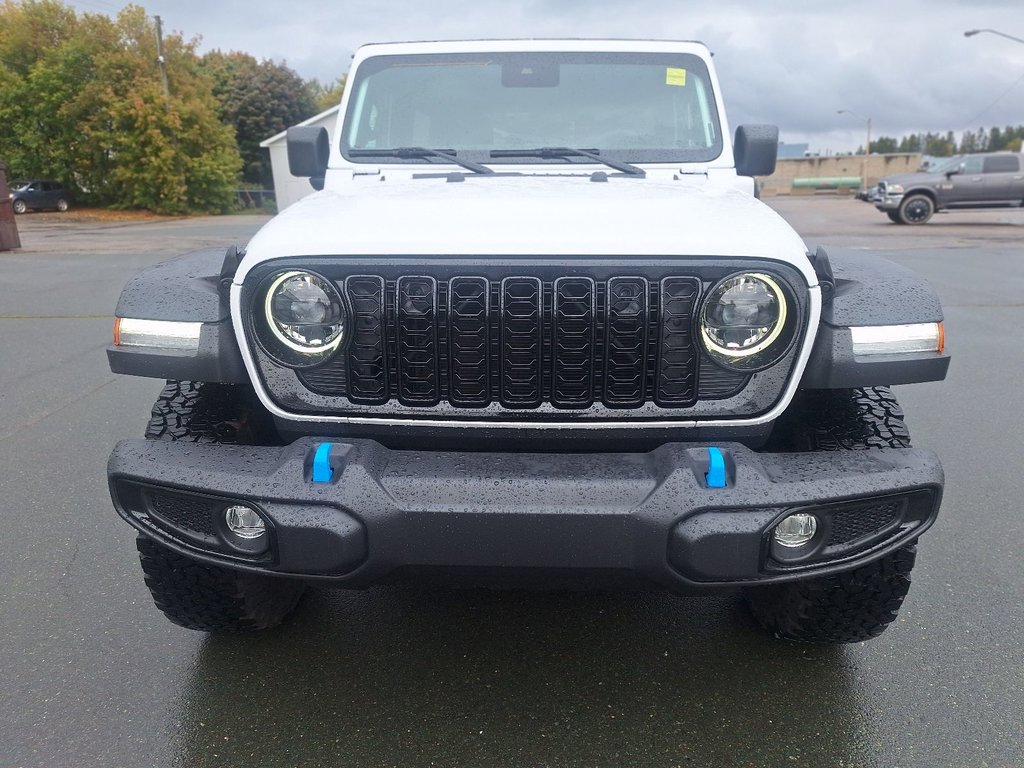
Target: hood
913, 178
557, 216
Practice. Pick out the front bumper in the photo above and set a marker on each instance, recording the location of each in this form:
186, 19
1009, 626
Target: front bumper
386, 514
889, 202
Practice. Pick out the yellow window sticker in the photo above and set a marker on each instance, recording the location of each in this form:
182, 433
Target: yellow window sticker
675, 76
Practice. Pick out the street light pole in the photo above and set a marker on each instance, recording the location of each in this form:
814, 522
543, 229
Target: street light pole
160, 58
867, 146
973, 32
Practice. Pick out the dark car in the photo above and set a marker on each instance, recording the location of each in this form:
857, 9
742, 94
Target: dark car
993, 180
38, 195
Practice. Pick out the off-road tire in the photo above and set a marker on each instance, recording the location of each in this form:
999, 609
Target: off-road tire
196, 412
208, 598
894, 217
841, 420
916, 209
193, 594
20, 206
859, 604
844, 608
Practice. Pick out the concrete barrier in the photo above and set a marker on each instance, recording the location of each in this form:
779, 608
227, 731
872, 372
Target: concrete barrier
828, 182
836, 166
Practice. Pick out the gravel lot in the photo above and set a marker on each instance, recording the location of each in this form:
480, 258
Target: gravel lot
93, 675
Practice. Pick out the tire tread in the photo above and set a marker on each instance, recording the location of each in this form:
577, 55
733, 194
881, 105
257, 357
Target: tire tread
193, 594
854, 605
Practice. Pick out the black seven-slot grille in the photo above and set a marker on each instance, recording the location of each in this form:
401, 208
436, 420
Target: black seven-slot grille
522, 341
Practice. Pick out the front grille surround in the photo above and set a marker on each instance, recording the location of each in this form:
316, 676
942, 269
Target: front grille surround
523, 340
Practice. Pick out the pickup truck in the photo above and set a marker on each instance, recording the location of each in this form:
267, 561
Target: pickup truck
993, 180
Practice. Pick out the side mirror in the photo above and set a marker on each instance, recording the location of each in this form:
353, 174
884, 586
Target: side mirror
955, 171
309, 150
756, 148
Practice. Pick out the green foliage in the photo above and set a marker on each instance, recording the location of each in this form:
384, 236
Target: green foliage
258, 99
328, 95
84, 103
884, 145
994, 139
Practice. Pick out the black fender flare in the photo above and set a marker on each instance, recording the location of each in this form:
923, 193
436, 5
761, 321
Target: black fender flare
189, 288
866, 290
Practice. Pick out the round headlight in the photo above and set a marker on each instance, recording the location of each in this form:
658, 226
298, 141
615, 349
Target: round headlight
742, 318
304, 313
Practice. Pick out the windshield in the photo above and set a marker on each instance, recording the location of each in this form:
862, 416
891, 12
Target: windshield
626, 106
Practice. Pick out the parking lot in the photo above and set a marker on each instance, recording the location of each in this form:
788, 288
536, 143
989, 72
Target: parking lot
93, 675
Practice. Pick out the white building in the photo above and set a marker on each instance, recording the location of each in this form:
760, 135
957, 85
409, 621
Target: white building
289, 189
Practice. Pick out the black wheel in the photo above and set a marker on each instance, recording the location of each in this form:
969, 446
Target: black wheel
855, 605
916, 209
62, 205
192, 594
20, 206
894, 217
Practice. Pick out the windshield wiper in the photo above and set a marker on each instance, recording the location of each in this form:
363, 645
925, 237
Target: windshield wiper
563, 152
422, 152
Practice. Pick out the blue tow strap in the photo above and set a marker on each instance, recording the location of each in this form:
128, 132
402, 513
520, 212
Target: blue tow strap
322, 471
716, 469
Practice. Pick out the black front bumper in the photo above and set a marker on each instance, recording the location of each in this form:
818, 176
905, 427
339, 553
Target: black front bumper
387, 514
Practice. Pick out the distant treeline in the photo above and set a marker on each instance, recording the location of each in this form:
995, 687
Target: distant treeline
1009, 139
82, 101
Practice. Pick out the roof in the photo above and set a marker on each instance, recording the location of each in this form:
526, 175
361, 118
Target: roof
309, 121
532, 40
530, 45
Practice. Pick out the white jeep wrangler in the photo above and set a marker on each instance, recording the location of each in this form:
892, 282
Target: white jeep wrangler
534, 329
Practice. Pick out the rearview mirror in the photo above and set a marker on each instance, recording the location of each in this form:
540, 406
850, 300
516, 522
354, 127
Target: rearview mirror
756, 148
309, 150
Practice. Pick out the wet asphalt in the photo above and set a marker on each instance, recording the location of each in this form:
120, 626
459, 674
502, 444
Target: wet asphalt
91, 674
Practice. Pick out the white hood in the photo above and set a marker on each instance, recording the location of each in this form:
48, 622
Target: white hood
394, 214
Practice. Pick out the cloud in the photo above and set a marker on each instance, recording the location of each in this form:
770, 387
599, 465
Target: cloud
904, 63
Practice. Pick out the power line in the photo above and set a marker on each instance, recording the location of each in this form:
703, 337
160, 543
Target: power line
970, 123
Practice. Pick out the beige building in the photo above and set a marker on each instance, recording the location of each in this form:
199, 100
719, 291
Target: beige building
845, 167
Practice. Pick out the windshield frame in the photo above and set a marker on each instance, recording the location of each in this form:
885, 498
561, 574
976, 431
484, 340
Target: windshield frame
692, 61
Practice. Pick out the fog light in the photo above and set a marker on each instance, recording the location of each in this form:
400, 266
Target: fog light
796, 530
244, 522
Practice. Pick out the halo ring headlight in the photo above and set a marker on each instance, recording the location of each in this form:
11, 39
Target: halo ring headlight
304, 319
743, 319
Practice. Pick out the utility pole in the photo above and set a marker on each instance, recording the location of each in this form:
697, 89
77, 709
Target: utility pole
160, 56
867, 147
867, 157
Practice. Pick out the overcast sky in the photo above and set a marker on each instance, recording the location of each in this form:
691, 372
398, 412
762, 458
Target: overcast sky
904, 63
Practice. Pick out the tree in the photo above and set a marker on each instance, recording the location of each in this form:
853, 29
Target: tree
329, 95
884, 145
45, 52
938, 145
83, 100
258, 99
911, 143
